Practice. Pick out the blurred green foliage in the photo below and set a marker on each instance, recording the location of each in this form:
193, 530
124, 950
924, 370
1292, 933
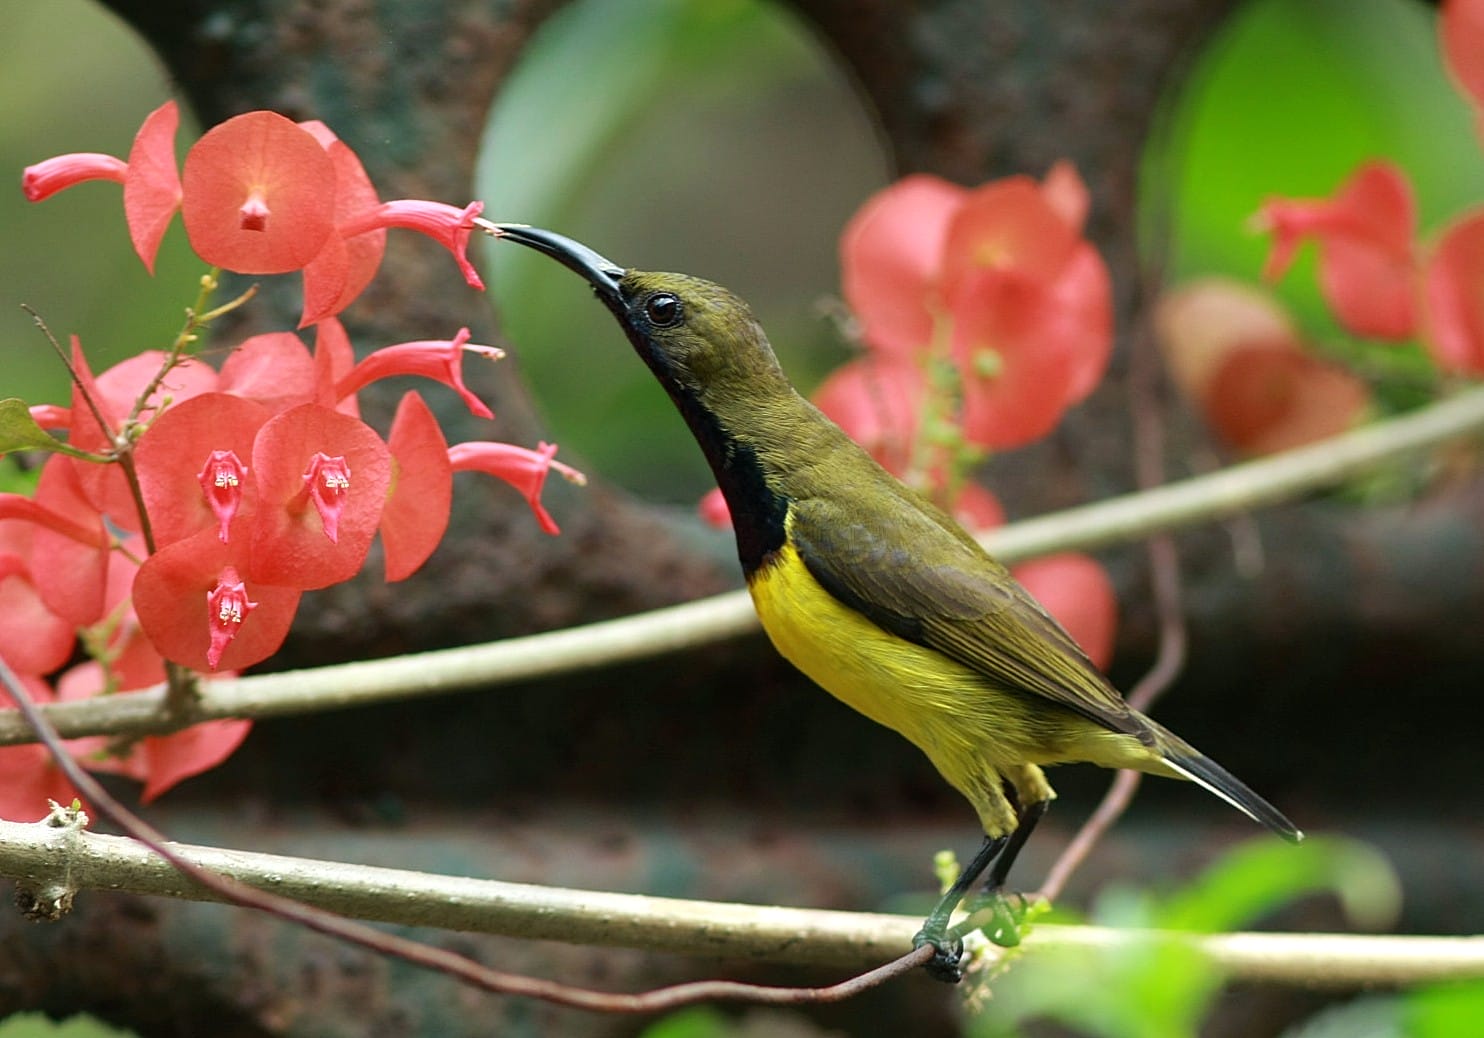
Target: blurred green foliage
35, 1025
1287, 100
715, 138
75, 78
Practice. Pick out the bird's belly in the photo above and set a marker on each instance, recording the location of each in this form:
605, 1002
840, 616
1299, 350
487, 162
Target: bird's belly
943, 707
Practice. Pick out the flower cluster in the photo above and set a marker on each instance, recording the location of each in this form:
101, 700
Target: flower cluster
984, 315
1238, 355
185, 509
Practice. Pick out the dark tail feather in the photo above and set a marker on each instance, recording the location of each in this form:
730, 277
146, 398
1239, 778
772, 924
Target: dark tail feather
1206, 772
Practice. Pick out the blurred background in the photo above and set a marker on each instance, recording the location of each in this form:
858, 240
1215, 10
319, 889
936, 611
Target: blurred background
726, 138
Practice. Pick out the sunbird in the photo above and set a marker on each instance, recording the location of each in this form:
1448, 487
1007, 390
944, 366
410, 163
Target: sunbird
878, 595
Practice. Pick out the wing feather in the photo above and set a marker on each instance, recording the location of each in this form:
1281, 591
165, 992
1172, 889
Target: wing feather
912, 570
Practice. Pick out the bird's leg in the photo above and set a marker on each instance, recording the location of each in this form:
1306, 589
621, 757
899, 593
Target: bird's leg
1007, 917
944, 965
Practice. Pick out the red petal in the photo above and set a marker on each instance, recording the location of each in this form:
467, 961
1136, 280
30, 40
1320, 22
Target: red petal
345, 266
977, 508
1454, 292
170, 596
1365, 235
171, 453
152, 183
1079, 318
1007, 226
33, 639
877, 400
76, 572
289, 542
416, 513
29, 778
1201, 321
170, 759
890, 254
333, 360
1067, 194
1017, 372
1077, 591
259, 158
1265, 398
713, 509
275, 369
1461, 33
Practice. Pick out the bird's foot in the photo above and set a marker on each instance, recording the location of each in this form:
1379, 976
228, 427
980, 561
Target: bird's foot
944, 965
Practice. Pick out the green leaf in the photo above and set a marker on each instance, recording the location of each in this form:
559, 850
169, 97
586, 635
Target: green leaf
19, 432
1451, 1010
1263, 875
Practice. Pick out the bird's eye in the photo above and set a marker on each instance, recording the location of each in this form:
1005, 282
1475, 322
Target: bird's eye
662, 310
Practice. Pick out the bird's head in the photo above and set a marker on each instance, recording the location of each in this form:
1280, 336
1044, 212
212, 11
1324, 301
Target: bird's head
696, 336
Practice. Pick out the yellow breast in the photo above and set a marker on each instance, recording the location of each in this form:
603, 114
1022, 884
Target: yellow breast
941, 706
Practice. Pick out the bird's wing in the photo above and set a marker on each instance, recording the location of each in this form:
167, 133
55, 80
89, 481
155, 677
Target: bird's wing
933, 585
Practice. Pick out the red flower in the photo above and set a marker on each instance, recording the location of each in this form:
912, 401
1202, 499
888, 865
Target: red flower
151, 184
523, 469
322, 480
259, 195
1366, 262
416, 512
194, 466
1235, 353
438, 359
1000, 279
1453, 285
180, 594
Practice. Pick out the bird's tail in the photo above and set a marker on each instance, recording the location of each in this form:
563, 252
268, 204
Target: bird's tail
1204, 771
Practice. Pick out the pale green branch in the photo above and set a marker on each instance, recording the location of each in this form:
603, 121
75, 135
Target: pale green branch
53, 864
1201, 499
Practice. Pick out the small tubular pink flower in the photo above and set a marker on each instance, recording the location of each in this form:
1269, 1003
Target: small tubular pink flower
221, 482
227, 605
522, 468
326, 485
46, 178
448, 226
440, 360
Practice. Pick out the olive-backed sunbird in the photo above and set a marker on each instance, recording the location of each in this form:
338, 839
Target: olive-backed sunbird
878, 595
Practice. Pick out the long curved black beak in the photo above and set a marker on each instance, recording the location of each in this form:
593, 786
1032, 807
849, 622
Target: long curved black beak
602, 274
